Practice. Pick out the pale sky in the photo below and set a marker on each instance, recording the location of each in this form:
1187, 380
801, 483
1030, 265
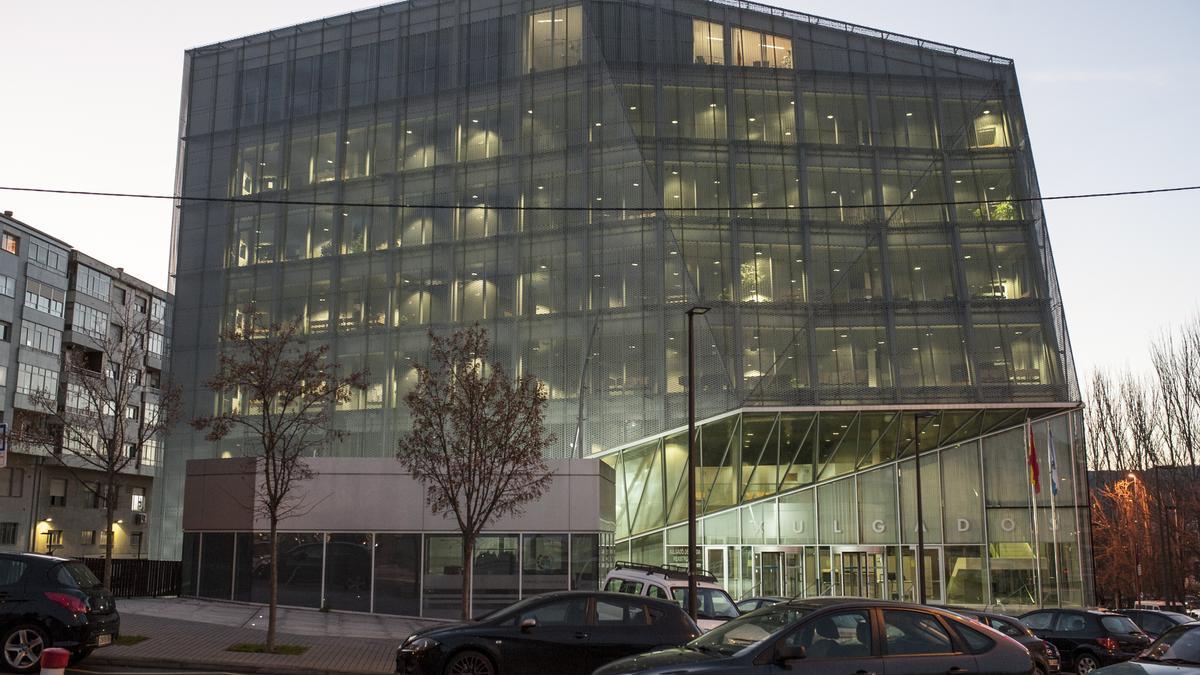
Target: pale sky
89, 99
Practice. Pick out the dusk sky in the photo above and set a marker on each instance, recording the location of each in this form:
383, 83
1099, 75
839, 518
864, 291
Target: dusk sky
1109, 90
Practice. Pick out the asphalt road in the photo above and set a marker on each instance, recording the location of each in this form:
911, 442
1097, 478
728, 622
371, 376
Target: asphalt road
86, 669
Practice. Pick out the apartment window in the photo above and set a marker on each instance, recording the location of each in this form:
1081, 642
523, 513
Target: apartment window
88, 538
8, 285
135, 541
151, 413
112, 370
153, 378
158, 309
156, 346
131, 412
8, 534
150, 452
10, 243
97, 491
139, 303
133, 376
47, 255
103, 537
94, 283
119, 295
137, 499
44, 298
39, 337
58, 492
32, 379
3, 376
5, 331
12, 482
54, 537
89, 320
131, 449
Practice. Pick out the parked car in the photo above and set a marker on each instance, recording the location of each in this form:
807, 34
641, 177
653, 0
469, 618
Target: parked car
1155, 622
567, 633
751, 604
839, 636
1045, 655
46, 601
1088, 638
670, 582
1177, 652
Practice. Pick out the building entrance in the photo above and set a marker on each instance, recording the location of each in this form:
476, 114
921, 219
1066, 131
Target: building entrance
863, 573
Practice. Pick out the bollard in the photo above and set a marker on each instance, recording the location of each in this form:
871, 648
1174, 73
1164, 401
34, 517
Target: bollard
55, 660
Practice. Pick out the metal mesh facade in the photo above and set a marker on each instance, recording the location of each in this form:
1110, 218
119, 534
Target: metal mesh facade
574, 176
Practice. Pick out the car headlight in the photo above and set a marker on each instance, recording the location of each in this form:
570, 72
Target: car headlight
417, 644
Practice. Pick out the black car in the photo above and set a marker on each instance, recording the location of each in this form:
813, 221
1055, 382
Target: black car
567, 633
51, 602
1177, 652
751, 604
839, 636
1088, 638
1156, 622
1045, 655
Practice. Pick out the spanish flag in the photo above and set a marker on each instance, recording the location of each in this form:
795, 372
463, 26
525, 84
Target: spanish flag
1034, 473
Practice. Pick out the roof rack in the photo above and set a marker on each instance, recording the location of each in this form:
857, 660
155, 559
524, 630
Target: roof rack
667, 571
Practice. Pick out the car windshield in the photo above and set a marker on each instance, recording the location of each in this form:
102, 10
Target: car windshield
1122, 625
711, 603
735, 635
1180, 644
76, 574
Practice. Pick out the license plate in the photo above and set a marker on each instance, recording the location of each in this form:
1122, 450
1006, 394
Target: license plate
103, 640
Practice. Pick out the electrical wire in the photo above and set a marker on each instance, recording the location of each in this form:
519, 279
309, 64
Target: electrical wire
589, 209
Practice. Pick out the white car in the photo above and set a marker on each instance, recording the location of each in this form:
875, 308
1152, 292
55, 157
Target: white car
670, 582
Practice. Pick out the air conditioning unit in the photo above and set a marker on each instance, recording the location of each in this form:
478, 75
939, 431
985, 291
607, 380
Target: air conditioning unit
139, 519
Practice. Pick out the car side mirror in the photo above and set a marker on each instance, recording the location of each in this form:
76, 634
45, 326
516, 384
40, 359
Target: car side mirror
528, 624
785, 652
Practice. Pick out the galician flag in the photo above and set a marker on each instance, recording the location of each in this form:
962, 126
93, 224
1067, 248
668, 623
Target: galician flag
1035, 478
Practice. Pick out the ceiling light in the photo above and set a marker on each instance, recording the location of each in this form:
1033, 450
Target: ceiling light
753, 120
475, 121
829, 117
633, 107
917, 268
958, 181
541, 187
597, 124
916, 349
408, 131
674, 121
908, 114
712, 105
987, 112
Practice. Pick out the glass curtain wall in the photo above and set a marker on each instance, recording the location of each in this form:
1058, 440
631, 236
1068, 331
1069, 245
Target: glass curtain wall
850, 523
410, 574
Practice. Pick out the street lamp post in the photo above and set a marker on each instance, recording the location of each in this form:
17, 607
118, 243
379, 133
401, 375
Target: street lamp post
692, 313
917, 417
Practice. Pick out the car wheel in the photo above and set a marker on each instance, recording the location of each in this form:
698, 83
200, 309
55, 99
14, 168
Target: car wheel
470, 663
1085, 663
23, 645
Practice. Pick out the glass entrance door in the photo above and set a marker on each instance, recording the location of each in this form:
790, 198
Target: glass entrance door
769, 570
862, 573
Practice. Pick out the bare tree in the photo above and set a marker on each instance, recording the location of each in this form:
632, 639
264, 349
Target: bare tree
102, 423
477, 438
279, 393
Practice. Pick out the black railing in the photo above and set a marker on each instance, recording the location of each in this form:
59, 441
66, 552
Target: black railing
138, 577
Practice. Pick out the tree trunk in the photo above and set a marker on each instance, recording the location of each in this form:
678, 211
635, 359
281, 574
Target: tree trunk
468, 568
108, 529
274, 597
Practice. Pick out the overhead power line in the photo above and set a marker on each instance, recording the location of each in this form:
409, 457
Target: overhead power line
597, 207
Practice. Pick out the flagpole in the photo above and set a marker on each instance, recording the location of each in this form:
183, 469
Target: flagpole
1031, 465
1052, 457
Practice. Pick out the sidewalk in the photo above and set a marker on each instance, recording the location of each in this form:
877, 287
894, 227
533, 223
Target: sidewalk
186, 632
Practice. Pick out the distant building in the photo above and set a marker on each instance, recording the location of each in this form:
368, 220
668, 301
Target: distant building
858, 209
52, 297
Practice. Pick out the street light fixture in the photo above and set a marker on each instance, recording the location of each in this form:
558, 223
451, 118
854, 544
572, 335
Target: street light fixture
917, 417
692, 313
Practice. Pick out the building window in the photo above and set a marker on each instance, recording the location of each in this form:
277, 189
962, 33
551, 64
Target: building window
41, 338
31, 379
5, 331
554, 39
112, 370
88, 538
135, 541
54, 537
97, 491
137, 499
761, 50
158, 309
44, 298
153, 378
133, 376
131, 448
155, 345
12, 482
89, 320
119, 296
8, 534
131, 412
58, 492
150, 452
139, 303
94, 283
47, 255
8, 285
10, 243
708, 42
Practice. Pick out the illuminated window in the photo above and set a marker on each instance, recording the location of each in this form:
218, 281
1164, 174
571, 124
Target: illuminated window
10, 243
708, 42
554, 39
761, 50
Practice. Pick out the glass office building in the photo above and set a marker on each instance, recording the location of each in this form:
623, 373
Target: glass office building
855, 206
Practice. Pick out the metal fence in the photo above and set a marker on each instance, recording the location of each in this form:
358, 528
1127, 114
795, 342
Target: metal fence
138, 577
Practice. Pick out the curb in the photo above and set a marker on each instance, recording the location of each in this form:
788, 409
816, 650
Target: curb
179, 664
